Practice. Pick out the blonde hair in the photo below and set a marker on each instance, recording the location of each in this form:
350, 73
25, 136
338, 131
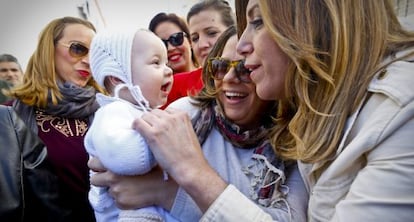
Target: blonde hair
336, 47
40, 76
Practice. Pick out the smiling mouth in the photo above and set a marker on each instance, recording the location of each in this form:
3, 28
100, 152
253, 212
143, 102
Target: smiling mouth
174, 58
165, 87
235, 95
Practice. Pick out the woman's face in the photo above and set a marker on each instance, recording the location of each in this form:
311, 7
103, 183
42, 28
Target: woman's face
205, 28
264, 58
179, 57
239, 99
68, 67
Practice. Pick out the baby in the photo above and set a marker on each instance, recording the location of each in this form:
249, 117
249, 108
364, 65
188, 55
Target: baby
133, 69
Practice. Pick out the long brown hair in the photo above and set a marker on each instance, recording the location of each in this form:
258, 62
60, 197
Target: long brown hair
240, 6
336, 48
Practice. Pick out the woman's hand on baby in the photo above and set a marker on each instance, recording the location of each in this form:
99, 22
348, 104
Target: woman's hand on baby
130, 192
171, 137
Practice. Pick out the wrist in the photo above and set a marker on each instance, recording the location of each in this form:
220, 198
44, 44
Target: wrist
203, 184
166, 199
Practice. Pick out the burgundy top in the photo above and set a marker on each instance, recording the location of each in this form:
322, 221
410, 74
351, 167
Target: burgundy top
64, 140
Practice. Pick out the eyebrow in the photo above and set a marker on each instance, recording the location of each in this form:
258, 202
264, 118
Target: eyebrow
251, 10
11, 69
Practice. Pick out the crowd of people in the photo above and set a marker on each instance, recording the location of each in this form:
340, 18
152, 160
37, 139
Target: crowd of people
282, 111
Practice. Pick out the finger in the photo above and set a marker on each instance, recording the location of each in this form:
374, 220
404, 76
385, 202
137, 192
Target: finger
101, 179
95, 165
150, 122
170, 109
140, 124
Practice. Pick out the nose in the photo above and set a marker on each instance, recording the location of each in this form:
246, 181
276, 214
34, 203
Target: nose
170, 46
230, 76
203, 42
10, 73
244, 46
85, 59
168, 71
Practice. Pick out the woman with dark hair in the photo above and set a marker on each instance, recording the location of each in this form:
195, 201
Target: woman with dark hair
174, 33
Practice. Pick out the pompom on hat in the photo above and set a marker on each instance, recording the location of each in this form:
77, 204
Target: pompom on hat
110, 55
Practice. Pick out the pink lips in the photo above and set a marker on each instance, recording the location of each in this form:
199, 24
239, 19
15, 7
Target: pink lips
84, 73
252, 69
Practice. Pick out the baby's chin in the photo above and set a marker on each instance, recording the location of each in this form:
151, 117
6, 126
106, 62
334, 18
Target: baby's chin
160, 104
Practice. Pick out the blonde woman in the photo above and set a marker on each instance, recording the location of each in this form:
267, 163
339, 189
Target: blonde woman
342, 72
57, 101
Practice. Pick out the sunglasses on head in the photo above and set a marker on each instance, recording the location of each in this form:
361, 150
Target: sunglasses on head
219, 67
175, 39
76, 49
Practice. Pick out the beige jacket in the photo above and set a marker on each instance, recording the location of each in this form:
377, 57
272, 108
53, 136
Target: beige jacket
372, 175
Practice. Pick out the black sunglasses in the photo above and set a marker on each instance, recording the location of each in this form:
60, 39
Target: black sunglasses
219, 67
175, 39
76, 49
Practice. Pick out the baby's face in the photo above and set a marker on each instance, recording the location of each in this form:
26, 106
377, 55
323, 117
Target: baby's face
149, 68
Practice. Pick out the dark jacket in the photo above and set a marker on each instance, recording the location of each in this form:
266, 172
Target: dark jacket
4, 85
28, 187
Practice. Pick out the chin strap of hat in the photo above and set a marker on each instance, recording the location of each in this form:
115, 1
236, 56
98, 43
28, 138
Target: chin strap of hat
136, 93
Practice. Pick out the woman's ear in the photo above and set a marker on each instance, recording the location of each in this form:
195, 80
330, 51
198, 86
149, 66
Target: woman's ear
114, 80
110, 82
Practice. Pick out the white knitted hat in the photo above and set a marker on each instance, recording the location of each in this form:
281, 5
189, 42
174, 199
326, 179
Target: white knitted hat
110, 55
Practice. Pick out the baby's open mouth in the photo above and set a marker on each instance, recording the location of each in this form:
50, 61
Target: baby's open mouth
165, 86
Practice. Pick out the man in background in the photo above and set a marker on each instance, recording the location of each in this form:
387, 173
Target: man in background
11, 74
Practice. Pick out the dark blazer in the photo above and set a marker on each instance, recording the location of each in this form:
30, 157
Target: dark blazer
28, 187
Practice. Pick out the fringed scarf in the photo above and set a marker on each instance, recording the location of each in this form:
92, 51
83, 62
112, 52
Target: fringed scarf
267, 170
